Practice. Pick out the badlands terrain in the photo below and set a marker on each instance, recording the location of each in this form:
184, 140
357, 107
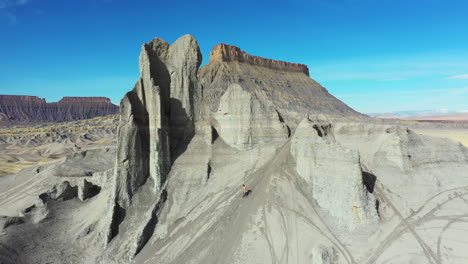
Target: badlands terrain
32, 109
326, 183
30, 145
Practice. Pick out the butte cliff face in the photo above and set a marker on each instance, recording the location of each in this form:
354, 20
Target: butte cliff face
32, 109
325, 186
286, 85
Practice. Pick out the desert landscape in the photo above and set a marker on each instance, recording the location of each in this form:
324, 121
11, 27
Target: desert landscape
456, 134
24, 146
162, 181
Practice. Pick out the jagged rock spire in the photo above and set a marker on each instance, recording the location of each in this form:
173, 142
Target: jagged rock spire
156, 124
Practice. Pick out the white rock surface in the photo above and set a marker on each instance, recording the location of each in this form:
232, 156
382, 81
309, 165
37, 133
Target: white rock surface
243, 122
334, 176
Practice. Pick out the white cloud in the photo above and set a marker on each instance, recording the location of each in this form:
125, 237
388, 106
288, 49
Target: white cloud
12, 3
7, 9
461, 76
21, 2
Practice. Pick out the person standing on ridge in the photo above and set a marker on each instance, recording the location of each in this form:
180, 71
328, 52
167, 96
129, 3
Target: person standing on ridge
244, 189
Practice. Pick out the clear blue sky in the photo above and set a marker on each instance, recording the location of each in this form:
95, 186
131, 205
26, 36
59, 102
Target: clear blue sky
376, 55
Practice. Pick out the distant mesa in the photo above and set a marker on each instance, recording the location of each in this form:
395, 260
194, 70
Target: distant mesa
67, 99
32, 109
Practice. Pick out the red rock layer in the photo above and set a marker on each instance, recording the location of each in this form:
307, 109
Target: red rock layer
67, 99
21, 99
227, 53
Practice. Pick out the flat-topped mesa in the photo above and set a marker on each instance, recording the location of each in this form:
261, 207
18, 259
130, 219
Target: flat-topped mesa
32, 109
227, 53
68, 99
14, 99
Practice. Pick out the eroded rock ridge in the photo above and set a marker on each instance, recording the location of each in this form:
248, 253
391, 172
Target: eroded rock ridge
227, 53
32, 109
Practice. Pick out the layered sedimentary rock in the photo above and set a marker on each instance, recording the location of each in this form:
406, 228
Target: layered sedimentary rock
228, 53
287, 85
32, 109
319, 190
243, 121
334, 175
156, 121
386, 151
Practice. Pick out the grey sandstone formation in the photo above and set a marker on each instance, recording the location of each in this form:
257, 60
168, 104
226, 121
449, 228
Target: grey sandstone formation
334, 176
243, 121
287, 85
157, 116
156, 122
326, 185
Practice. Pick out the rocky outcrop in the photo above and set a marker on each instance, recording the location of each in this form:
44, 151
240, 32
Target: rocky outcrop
228, 53
243, 122
286, 85
32, 109
324, 255
96, 160
334, 176
156, 122
386, 151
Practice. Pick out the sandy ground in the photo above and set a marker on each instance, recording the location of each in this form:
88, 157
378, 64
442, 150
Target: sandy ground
460, 135
447, 117
39, 144
206, 220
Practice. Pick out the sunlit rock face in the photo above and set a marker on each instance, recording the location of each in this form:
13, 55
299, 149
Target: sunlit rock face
243, 121
286, 85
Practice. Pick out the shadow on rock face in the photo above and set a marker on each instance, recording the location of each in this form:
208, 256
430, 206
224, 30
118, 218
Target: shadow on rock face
182, 129
214, 134
62, 192
369, 181
117, 218
90, 190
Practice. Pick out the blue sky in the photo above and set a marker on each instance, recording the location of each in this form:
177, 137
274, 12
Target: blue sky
375, 55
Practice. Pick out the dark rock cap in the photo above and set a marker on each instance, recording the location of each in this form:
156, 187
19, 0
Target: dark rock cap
227, 53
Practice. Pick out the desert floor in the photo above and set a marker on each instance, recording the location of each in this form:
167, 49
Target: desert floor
39, 144
457, 134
